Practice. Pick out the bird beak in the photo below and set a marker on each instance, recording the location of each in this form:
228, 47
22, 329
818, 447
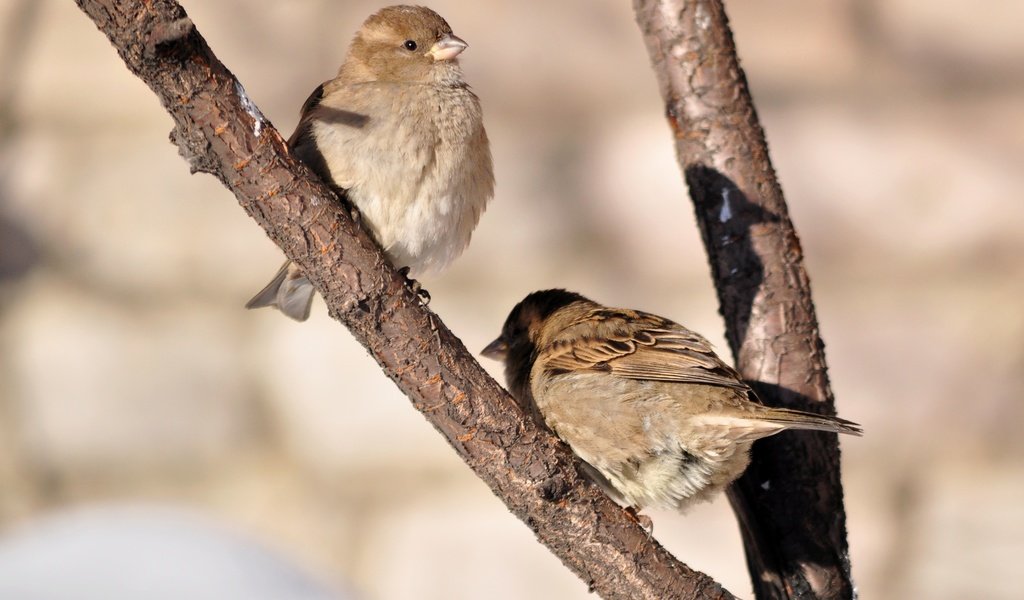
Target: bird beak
447, 48
496, 350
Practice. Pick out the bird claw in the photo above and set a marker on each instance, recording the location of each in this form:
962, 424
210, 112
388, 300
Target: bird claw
415, 287
646, 524
355, 215
346, 202
642, 520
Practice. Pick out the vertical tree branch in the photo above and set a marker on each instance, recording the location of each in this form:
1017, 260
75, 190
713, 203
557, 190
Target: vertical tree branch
219, 130
790, 501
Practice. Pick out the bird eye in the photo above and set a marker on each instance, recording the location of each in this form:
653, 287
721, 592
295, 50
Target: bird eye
410, 45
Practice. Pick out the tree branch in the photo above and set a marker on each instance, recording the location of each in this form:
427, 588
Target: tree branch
220, 131
790, 500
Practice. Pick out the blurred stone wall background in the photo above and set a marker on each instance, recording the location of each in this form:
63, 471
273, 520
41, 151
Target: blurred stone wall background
129, 372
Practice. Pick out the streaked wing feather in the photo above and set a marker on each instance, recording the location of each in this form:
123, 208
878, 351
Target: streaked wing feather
644, 347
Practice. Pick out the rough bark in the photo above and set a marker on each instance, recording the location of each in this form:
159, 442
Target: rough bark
220, 131
790, 501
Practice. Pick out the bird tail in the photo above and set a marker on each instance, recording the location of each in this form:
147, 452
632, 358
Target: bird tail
289, 291
787, 418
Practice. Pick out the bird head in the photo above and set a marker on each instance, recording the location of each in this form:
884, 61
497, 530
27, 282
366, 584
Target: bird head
407, 44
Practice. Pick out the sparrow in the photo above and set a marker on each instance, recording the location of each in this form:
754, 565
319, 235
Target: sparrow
401, 134
657, 417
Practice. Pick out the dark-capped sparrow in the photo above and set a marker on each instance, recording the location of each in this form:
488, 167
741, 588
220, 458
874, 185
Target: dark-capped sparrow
657, 417
402, 134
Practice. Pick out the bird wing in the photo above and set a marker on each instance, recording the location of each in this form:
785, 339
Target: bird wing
302, 129
303, 144
639, 346
354, 134
348, 133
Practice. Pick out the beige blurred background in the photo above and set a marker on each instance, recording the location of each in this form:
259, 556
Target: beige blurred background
131, 375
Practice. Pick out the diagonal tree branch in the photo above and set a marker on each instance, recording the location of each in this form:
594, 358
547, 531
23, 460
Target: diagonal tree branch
790, 500
220, 131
